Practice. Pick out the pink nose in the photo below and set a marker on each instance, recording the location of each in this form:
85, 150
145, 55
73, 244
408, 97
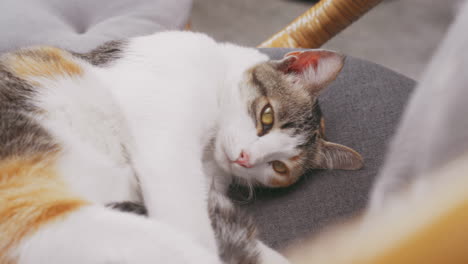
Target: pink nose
243, 160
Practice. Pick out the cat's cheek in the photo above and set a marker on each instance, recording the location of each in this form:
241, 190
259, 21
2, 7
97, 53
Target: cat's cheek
223, 164
248, 174
221, 158
260, 174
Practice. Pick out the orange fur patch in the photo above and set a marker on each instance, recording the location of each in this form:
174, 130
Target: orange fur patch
295, 158
322, 127
45, 62
31, 195
275, 182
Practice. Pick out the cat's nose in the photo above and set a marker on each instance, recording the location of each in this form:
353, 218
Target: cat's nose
243, 160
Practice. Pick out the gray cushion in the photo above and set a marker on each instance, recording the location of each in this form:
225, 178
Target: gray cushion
81, 25
361, 109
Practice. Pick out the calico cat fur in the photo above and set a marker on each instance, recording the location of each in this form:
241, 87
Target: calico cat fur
79, 131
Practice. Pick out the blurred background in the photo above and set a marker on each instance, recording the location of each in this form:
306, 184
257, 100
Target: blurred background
399, 34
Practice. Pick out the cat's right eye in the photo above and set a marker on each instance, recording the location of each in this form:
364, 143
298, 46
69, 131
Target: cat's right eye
279, 167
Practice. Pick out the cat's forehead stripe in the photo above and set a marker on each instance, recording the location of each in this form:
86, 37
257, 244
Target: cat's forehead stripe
47, 62
258, 83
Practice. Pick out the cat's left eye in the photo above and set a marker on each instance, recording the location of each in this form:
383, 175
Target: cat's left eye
279, 167
267, 118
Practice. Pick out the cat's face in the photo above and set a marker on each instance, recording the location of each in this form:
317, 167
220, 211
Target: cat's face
271, 128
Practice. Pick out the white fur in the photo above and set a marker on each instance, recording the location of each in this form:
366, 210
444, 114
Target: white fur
83, 116
99, 235
163, 103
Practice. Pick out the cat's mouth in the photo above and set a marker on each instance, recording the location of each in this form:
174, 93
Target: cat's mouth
231, 166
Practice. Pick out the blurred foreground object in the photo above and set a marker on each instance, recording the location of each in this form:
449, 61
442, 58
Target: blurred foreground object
319, 24
419, 208
430, 227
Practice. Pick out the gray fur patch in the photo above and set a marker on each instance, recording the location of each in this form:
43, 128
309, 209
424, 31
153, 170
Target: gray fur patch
15, 93
129, 207
105, 53
258, 84
298, 108
235, 231
20, 134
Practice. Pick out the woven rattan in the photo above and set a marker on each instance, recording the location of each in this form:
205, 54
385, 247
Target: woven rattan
319, 24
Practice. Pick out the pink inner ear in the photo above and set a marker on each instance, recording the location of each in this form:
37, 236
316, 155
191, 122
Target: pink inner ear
305, 59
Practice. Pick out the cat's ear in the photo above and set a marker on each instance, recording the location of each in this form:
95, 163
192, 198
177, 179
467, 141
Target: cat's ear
313, 69
336, 156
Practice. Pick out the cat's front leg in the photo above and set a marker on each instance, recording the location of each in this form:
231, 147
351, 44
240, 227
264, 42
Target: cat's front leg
175, 188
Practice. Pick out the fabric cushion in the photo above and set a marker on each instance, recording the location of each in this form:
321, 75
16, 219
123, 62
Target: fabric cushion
82, 25
361, 108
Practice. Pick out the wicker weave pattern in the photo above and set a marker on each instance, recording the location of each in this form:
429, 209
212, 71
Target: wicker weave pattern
319, 24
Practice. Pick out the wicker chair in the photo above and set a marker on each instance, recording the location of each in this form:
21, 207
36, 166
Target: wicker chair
319, 24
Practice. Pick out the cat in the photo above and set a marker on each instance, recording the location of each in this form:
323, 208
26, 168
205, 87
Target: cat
167, 120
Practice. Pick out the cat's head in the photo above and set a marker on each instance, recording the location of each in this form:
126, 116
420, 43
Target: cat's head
271, 128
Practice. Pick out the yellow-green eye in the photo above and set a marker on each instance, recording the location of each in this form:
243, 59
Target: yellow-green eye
279, 167
267, 116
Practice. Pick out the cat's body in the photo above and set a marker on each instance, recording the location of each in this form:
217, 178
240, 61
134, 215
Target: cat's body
158, 119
